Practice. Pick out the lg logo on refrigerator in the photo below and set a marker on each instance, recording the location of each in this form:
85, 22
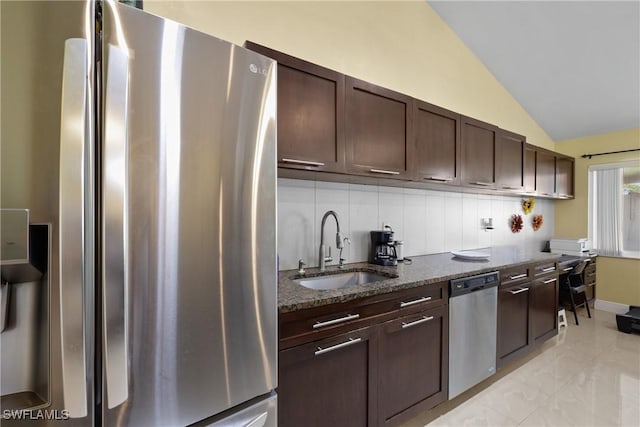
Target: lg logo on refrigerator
257, 70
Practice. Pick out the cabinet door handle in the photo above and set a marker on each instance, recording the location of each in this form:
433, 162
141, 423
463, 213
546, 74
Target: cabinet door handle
564, 196
547, 194
517, 276
567, 269
415, 301
351, 341
510, 187
335, 321
416, 322
544, 270
384, 171
518, 291
438, 178
484, 184
546, 282
302, 162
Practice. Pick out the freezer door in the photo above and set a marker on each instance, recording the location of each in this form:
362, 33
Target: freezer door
189, 221
47, 167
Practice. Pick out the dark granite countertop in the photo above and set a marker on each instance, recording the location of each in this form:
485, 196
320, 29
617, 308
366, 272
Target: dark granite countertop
423, 270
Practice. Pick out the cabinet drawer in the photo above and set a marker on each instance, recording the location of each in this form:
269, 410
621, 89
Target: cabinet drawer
545, 268
590, 277
312, 324
423, 297
316, 323
512, 276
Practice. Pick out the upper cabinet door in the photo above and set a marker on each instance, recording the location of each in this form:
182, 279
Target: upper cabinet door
509, 161
564, 177
478, 153
437, 144
529, 168
310, 114
545, 173
378, 128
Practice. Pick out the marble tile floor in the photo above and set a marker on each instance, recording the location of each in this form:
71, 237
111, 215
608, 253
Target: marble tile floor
588, 375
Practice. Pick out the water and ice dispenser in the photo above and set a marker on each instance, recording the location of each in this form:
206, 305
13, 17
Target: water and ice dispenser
25, 252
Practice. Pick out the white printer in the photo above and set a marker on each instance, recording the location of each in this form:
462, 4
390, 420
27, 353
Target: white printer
570, 246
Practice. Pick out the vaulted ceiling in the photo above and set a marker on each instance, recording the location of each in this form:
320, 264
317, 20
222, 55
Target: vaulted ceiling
573, 65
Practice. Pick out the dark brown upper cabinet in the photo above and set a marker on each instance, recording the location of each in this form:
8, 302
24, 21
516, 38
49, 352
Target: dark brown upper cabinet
529, 168
564, 177
437, 144
478, 153
545, 173
378, 130
310, 114
509, 161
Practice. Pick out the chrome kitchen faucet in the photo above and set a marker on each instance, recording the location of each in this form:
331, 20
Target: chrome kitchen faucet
324, 259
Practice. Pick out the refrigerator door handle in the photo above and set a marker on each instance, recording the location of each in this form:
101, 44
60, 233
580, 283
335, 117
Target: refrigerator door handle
73, 122
115, 303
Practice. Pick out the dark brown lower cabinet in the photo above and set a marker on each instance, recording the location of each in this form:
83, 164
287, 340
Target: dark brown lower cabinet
413, 367
513, 322
329, 382
544, 308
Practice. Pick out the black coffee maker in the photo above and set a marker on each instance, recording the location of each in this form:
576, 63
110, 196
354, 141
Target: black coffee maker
383, 250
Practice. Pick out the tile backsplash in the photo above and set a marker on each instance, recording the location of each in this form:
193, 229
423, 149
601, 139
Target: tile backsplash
427, 221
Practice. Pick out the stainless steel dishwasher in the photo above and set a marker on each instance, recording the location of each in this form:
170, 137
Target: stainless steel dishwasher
473, 311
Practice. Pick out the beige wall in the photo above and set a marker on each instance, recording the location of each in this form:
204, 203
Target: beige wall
618, 279
405, 46
401, 45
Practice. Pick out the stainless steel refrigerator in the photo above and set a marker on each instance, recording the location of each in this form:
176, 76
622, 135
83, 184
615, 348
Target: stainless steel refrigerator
146, 150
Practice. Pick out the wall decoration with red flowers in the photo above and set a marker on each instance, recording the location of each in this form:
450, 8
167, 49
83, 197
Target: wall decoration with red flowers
537, 221
516, 223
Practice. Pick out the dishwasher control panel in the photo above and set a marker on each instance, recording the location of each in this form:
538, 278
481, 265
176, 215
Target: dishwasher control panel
469, 284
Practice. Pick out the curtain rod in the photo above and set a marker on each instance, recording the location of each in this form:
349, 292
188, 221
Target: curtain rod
584, 156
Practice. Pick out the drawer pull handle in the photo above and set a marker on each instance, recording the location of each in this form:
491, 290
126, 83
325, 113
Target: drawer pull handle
484, 184
384, 171
511, 187
567, 269
544, 270
518, 276
351, 341
302, 162
416, 322
519, 291
549, 281
334, 321
415, 301
438, 178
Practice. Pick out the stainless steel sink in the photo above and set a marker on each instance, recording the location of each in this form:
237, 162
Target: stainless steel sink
341, 280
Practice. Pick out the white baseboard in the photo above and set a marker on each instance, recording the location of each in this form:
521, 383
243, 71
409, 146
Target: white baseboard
611, 307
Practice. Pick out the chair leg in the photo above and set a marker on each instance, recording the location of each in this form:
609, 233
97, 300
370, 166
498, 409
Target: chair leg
586, 304
573, 307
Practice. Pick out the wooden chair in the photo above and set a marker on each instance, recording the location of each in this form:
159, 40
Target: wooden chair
574, 285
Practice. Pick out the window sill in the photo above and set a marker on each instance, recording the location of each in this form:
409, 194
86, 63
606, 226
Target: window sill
623, 255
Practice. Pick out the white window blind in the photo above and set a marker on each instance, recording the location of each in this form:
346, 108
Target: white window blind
614, 209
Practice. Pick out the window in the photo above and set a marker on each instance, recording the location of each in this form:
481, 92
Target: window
614, 209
